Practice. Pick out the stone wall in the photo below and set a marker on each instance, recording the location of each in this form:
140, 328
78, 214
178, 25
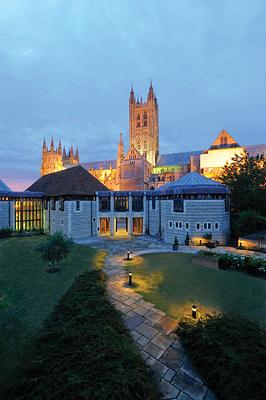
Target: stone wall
4, 214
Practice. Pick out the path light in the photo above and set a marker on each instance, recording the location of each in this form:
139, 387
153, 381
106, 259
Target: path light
194, 311
130, 278
128, 254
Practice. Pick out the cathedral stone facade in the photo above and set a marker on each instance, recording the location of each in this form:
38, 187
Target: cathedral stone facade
57, 159
142, 167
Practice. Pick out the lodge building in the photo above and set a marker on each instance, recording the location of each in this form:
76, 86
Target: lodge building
74, 202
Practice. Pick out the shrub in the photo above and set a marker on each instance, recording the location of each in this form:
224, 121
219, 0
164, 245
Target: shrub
55, 249
5, 232
229, 353
250, 265
84, 352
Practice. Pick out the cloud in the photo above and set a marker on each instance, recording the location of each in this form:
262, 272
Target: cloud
66, 68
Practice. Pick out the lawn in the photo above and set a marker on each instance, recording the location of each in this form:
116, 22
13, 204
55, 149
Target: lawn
173, 283
28, 294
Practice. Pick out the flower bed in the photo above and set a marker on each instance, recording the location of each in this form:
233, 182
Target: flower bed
250, 265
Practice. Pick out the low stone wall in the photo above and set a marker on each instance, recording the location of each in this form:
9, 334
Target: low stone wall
205, 261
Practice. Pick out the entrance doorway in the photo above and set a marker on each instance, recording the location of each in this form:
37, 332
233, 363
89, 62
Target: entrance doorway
104, 226
137, 225
121, 226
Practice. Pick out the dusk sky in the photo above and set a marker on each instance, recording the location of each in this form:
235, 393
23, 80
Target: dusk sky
66, 68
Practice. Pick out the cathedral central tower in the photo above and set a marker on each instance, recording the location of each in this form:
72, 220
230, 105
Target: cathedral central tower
144, 125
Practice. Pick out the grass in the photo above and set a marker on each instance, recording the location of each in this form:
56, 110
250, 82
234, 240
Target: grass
229, 353
173, 283
28, 295
84, 352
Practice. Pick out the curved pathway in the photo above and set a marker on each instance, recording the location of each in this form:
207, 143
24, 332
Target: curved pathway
150, 328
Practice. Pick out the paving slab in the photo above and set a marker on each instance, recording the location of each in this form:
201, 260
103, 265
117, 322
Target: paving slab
144, 355
183, 396
189, 386
166, 324
173, 358
135, 335
134, 322
153, 350
145, 304
158, 368
210, 396
139, 309
142, 340
146, 330
169, 375
162, 340
189, 370
168, 391
153, 316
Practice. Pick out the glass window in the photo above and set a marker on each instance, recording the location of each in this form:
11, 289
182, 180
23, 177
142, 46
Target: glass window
216, 226
226, 203
170, 224
209, 225
104, 204
77, 205
53, 205
61, 205
178, 205
137, 203
187, 224
28, 214
198, 226
121, 203
205, 225
153, 203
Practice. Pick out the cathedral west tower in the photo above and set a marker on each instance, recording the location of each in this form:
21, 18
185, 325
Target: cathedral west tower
144, 125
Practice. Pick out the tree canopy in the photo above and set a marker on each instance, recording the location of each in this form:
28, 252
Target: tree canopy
246, 178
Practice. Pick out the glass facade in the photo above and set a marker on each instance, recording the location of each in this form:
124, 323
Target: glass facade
28, 215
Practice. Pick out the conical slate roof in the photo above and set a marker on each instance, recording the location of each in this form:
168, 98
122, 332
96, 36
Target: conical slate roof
4, 187
194, 179
194, 183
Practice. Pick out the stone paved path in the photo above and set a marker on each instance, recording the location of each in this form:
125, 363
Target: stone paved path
151, 329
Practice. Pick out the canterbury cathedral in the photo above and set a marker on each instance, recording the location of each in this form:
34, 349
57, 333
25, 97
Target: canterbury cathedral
142, 166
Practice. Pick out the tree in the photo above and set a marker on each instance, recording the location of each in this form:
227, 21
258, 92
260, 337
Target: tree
246, 178
55, 249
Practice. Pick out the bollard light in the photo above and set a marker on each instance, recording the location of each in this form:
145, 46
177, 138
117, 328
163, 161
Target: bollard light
240, 244
128, 254
194, 311
200, 242
130, 278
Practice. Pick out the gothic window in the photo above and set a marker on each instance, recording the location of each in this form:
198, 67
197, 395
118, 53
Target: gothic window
145, 144
138, 120
138, 145
145, 119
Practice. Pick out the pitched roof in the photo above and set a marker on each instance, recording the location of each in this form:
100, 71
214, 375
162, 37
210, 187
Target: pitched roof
71, 181
176, 158
224, 139
4, 187
194, 183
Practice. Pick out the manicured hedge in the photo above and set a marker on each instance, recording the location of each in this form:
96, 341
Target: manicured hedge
84, 352
250, 265
229, 353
